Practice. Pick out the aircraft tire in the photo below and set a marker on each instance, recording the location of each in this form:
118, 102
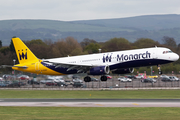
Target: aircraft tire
87, 79
103, 78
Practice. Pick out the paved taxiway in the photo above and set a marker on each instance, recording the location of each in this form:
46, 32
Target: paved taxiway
92, 102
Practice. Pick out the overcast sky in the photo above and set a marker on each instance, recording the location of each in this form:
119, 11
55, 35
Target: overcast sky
69, 10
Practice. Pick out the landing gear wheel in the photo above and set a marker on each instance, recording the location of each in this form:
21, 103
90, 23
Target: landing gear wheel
87, 79
103, 78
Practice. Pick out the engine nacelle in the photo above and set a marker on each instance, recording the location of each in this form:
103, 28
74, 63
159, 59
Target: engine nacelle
100, 70
123, 71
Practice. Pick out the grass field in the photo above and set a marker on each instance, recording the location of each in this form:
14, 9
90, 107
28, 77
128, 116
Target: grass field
107, 94
85, 113
66, 113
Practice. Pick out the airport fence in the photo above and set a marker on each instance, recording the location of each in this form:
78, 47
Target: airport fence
110, 83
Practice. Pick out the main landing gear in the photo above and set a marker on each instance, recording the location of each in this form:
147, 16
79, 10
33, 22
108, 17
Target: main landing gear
88, 79
103, 78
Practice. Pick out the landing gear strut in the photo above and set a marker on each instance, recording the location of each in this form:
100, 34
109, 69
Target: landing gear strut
159, 70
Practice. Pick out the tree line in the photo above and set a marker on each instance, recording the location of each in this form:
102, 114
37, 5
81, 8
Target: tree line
69, 46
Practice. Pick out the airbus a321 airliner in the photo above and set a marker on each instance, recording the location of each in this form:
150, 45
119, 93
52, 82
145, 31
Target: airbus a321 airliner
119, 62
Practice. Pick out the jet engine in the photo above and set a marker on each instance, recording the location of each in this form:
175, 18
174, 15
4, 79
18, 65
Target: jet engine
123, 71
100, 70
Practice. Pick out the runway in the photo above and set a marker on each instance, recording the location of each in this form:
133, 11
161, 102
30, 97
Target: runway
91, 102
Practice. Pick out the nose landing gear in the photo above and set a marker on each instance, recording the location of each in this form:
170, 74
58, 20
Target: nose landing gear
159, 70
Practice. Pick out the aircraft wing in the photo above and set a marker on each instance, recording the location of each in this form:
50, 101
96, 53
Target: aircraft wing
63, 63
70, 66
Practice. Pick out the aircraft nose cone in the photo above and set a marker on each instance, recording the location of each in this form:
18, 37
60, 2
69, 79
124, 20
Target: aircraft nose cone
175, 57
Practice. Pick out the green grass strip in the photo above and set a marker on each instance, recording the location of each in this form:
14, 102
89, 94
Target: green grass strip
126, 94
68, 113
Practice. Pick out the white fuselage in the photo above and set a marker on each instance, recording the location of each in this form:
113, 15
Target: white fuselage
121, 59
111, 58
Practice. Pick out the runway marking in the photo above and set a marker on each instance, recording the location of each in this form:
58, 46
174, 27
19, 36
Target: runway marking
135, 104
62, 106
99, 104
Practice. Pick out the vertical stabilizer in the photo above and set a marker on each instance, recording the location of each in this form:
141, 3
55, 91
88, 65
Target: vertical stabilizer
23, 53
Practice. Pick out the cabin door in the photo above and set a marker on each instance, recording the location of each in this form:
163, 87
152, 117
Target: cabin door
155, 51
37, 67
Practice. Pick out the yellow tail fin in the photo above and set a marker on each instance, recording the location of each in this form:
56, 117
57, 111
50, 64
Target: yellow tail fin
23, 53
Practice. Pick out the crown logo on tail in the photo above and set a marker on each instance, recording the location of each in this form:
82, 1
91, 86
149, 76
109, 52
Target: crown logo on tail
22, 54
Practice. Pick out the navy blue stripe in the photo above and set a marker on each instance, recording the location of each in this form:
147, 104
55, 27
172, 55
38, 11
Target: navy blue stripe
128, 64
139, 63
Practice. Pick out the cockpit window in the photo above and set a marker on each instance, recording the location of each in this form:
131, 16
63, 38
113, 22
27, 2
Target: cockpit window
164, 52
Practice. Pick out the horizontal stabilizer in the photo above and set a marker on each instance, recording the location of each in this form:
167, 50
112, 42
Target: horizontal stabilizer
4, 66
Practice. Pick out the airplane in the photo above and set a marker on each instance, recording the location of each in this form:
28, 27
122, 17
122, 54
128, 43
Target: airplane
119, 62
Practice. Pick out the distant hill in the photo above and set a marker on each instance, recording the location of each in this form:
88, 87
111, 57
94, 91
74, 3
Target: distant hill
132, 28
55, 25
146, 22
